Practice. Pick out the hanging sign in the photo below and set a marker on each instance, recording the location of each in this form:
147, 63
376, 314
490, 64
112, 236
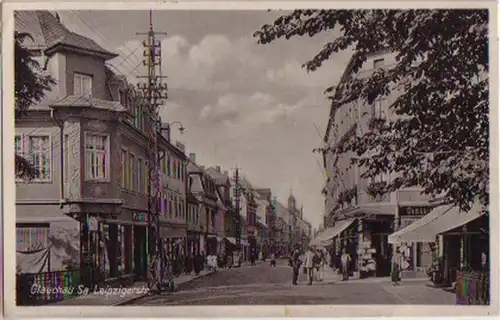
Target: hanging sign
92, 223
140, 216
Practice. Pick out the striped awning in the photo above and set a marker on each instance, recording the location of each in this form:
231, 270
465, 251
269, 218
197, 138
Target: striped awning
438, 221
325, 238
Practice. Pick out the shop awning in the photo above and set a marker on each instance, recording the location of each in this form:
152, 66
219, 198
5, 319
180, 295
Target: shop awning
439, 220
326, 236
233, 241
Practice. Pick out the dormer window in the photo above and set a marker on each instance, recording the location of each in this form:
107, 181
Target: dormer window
123, 98
82, 84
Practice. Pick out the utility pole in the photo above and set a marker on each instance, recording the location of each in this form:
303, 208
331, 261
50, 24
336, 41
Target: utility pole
237, 195
153, 93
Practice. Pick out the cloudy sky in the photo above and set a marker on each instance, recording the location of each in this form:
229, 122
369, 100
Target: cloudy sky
242, 103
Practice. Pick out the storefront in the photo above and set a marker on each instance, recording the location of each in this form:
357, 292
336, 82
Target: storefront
458, 236
193, 242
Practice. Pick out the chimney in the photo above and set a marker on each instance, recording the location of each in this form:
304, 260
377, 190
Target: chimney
192, 157
218, 168
179, 145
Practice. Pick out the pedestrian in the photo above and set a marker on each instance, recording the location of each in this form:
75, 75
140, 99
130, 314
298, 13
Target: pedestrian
273, 260
321, 265
345, 260
396, 268
296, 263
310, 257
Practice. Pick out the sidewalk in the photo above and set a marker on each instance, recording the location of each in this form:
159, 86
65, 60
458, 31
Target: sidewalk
120, 296
421, 294
330, 276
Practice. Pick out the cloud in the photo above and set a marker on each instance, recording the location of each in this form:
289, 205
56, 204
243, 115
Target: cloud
255, 109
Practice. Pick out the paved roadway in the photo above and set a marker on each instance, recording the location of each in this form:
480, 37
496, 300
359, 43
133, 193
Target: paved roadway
261, 284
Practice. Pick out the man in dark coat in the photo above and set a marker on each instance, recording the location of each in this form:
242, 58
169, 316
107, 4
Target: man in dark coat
296, 263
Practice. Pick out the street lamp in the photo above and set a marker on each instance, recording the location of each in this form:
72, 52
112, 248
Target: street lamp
166, 127
181, 126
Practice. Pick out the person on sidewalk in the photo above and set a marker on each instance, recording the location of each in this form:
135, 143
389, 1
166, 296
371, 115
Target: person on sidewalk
296, 263
321, 265
310, 259
345, 260
396, 268
273, 260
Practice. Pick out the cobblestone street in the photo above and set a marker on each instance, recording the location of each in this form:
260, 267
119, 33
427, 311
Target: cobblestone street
272, 286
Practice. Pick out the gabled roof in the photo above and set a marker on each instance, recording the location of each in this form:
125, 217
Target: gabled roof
49, 34
197, 185
264, 192
74, 101
219, 177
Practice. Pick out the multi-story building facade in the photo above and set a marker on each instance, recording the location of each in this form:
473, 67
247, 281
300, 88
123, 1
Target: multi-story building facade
264, 215
352, 198
228, 215
88, 211
204, 188
300, 228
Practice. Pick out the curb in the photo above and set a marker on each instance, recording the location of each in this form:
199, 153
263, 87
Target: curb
132, 300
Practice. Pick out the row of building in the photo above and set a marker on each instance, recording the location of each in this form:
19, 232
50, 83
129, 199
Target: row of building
88, 204
370, 225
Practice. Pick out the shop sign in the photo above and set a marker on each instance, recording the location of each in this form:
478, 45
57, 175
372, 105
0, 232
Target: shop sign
414, 211
92, 223
140, 216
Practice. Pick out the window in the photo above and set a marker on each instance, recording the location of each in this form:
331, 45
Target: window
174, 208
39, 154
82, 84
66, 158
123, 97
379, 109
174, 162
134, 175
170, 206
18, 148
378, 63
146, 177
164, 163
140, 175
32, 237
165, 202
96, 149
168, 165
183, 213
18, 144
124, 168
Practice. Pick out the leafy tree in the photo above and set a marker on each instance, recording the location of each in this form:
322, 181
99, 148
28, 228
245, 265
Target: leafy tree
439, 139
30, 87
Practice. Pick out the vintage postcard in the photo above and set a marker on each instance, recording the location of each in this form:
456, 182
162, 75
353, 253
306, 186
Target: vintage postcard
250, 159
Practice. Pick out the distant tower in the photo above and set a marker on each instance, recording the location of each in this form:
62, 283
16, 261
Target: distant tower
301, 211
291, 203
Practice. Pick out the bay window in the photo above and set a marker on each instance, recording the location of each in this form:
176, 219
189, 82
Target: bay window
96, 156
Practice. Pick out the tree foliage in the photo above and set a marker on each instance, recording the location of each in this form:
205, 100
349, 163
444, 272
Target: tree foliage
439, 138
29, 88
